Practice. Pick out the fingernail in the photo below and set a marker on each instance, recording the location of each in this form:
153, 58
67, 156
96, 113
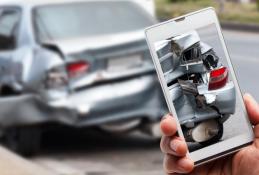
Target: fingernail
174, 145
247, 94
252, 100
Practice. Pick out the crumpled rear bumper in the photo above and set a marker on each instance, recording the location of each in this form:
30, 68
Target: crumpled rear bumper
223, 104
119, 101
225, 98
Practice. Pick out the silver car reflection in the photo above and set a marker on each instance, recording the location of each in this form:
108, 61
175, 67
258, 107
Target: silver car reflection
198, 82
78, 63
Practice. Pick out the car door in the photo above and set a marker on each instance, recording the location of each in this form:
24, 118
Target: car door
9, 23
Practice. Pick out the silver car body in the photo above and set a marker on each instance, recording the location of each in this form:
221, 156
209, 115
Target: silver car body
106, 94
220, 103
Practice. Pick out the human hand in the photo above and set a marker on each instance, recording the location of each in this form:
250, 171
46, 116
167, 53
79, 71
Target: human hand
244, 162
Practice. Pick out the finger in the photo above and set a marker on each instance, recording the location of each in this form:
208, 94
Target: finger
253, 112
173, 164
168, 125
174, 146
252, 109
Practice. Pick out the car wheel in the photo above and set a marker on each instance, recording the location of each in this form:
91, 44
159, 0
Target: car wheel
205, 133
24, 141
215, 138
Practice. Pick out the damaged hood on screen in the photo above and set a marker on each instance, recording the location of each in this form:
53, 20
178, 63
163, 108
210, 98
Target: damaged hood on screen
97, 42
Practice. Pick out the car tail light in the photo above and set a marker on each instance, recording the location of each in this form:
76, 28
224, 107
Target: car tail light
218, 78
56, 78
76, 69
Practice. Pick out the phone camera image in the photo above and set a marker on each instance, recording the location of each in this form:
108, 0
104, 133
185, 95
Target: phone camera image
201, 87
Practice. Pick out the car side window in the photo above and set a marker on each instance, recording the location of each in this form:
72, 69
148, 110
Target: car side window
9, 20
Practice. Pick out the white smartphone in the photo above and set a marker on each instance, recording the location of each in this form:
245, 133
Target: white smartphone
200, 85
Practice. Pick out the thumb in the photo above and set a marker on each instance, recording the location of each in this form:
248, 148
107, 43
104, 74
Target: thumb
253, 112
252, 108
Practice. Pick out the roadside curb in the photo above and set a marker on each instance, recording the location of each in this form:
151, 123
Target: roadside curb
240, 27
12, 164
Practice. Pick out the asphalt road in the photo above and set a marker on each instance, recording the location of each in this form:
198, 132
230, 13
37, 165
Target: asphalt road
244, 52
91, 153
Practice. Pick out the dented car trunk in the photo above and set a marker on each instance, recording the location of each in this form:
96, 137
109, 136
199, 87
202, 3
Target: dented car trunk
112, 63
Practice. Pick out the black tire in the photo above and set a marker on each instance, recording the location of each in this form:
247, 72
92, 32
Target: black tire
24, 141
216, 138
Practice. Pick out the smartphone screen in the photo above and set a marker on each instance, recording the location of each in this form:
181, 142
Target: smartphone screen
201, 87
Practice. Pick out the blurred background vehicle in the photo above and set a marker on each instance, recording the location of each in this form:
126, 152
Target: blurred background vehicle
77, 63
148, 5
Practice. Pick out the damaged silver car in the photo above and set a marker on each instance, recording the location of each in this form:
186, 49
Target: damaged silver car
77, 63
203, 95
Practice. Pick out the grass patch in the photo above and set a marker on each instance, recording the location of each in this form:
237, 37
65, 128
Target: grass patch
233, 12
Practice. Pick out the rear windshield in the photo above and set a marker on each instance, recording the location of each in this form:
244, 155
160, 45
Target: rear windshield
55, 22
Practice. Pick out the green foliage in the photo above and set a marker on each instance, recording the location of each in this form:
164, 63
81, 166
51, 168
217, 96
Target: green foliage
233, 12
182, 0
176, 0
257, 3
